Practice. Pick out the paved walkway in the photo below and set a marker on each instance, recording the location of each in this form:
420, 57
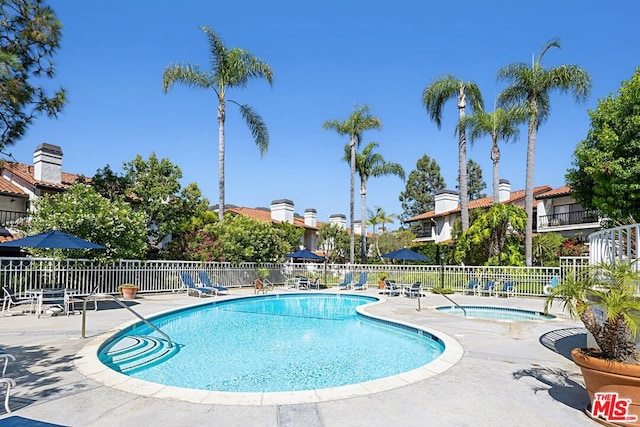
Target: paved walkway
511, 374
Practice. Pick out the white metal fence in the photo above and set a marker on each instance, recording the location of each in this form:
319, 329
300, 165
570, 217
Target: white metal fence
614, 244
22, 274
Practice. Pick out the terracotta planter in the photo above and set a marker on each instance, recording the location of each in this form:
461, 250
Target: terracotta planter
381, 284
128, 293
602, 376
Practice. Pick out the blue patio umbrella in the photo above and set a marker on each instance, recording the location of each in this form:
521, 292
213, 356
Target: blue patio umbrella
305, 254
53, 239
405, 254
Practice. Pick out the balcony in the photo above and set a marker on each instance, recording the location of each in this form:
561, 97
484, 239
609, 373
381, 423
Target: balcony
568, 218
8, 218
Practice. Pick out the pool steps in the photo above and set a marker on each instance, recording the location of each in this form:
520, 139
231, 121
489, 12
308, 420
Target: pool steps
137, 351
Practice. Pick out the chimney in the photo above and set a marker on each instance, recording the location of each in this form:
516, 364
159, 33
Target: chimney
310, 216
446, 200
357, 228
282, 210
504, 190
338, 219
47, 163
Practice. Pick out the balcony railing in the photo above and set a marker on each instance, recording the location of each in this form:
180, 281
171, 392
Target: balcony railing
424, 232
11, 217
568, 218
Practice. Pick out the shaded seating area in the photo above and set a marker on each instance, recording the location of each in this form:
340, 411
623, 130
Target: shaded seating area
206, 282
347, 283
191, 288
361, 284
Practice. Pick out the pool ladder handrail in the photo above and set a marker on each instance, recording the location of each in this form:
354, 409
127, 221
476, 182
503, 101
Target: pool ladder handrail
454, 303
123, 305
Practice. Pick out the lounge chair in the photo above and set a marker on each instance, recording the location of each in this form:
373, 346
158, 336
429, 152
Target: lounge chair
206, 282
190, 286
414, 291
11, 300
553, 283
508, 289
390, 289
487, 288
303, 283
347, 282
361, 284
472, 287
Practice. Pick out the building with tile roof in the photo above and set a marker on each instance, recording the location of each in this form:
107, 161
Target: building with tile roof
436, 225
21, 184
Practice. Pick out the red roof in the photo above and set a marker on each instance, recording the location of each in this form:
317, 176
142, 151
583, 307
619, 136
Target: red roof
265, 216
26, 172
565, 190
485, 202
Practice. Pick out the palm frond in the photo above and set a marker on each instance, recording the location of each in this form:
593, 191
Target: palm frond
189, 75
257, 127
217, 49
435, 95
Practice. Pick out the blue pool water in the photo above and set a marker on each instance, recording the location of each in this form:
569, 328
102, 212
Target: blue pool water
283, 343
495, 313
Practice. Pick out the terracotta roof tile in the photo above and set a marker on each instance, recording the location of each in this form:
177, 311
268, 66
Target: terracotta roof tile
265, 216
485, 202
10, 189
26, 172
565, 190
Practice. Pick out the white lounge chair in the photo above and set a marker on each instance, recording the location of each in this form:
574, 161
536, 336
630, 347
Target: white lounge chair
11, 300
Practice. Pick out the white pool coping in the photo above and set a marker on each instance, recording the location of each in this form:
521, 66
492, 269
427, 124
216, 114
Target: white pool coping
90, 365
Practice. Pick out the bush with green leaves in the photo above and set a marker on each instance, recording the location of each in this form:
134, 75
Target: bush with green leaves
82, 212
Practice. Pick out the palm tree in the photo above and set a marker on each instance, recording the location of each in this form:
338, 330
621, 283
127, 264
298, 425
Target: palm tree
500, 124
370, 164
230, 68
359, 121
529, 86
434, 97
379, 216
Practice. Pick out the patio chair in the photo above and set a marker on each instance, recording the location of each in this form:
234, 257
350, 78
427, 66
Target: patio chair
361, 284
390, 288
11, 300
347, 282
553, 283
472, 287
190, 286
508, 289
206, 282
414, 291
8, 382
487, 288
303, 283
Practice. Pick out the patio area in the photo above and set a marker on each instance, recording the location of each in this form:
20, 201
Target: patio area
511, 374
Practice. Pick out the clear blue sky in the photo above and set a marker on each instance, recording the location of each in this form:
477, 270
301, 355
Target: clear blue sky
327, 57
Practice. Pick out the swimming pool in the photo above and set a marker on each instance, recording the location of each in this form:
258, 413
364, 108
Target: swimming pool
279, 343
494, 313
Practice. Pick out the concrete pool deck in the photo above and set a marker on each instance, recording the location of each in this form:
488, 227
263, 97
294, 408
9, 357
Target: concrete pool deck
510, 374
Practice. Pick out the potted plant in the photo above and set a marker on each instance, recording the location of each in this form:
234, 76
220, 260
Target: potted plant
128, 291
382, 276
604, 298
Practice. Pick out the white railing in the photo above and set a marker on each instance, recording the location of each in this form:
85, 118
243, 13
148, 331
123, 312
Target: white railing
614, 244
22, 274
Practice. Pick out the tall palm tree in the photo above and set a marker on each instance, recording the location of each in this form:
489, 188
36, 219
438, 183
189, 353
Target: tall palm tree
499, 124
359, 121
370, 164
230, 68
530, 86
434, 97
